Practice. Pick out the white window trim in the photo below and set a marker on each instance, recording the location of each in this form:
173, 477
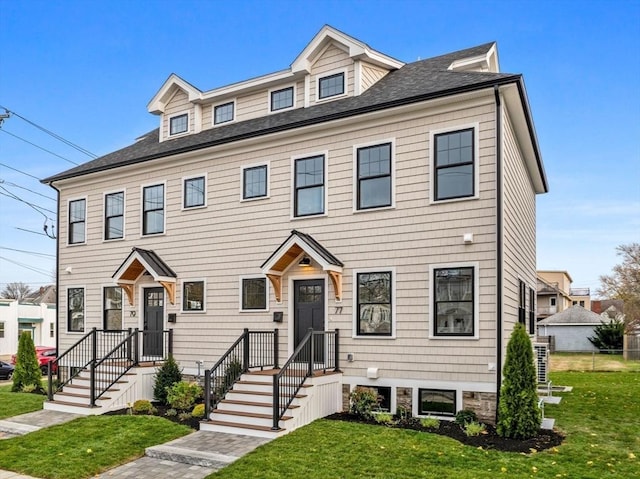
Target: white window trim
394, 303
255, 165
206, 189
476, 162
204, 295
222, 103
164, 208
84, 309
476, 301
293, 184
86, 211
283, 87
124, 299
267, 293
182, 133
320, 76
393, 175
104, 214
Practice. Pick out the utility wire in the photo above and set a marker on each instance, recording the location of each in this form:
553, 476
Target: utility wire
37, 270
20, 171
26, 189
31, 231
35, 253
39, 147
35, 207
49, 132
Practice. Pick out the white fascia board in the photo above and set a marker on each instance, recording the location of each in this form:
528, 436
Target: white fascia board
158, 102
248, 85
488, 61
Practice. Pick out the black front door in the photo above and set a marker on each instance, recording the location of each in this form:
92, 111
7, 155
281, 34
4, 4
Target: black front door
153, 322
308, 297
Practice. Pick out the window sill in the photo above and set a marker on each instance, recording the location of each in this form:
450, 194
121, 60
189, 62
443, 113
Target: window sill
373, 336
253, 310
189, 208
319, 215
256, 198
453, 200
376, 208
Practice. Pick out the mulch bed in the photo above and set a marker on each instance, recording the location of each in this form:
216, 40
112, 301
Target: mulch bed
489, 440
192, 422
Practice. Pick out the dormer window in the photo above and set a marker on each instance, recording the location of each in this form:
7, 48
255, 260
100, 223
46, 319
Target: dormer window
178, 124
223, 113
281, 99
331, 85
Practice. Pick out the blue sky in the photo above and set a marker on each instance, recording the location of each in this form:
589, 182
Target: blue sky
86, 71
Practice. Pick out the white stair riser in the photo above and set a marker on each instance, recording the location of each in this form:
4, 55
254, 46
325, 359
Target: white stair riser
253, 421
263, 387
72, 399
244, 408
247, 396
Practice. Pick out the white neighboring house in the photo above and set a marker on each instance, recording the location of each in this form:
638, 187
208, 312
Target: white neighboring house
16, 317
571, 328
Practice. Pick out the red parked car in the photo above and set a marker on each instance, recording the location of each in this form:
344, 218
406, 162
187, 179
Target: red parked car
45, 354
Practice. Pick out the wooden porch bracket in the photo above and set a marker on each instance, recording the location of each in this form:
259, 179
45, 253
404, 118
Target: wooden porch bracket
336, 279
128, 289
276, 282
170, 288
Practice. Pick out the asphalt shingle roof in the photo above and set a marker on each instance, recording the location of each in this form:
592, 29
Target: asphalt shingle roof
413, 82
576, 314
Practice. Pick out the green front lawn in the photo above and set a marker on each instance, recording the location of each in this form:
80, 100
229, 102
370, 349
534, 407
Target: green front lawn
601, 418
87, 446
14, 404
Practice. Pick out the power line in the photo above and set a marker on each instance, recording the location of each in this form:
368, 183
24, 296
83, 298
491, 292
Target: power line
22, 265
35, 207
31, 231
35, 253
26, 189
49, 132
39, 147
20, 171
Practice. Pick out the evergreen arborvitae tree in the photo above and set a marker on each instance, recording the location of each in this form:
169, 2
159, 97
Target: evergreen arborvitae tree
27, 371
608, 336
167, 375
519, 416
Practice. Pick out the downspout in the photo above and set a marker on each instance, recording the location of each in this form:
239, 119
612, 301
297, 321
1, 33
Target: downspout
499, 261
57, 271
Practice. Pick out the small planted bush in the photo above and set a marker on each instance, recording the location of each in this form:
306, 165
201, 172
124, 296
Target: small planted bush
430, 422
167, 375
171, 413
198, 411
184, 416
27, 372
362, 402
465, 416
143, 406
383, 417
474, 428
183, 395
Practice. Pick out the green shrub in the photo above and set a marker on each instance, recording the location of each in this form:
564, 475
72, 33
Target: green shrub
430, 422
171, 413
28, 388
474, 429
608, 336
183, 395
363, 401
184, 416
198, 411
403, 412
167, 375
518, 414
465, 416
27, 372
143, 406
383, 417
231, 374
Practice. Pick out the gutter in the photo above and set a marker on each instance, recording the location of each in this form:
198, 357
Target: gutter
57, 271
499, 259
303, 123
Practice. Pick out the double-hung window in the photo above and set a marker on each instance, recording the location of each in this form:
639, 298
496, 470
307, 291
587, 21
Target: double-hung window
375, 308
253, 294
223, 113
179, 124
112, 304
255, 182
114, 215
75, 310
77, 221
522, 303
282, 99
331, 85
153, 210
532, 311
194, 192
309, 181
193, 296
453, 301
374, 176
454, 165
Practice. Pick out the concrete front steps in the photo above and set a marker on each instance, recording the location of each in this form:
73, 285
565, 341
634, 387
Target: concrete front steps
248, 408
137, 383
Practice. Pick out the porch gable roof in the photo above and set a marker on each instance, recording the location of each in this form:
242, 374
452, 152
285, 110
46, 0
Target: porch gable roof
139, 261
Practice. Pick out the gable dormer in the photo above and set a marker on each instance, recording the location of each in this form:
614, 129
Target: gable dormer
486, 62
332, 66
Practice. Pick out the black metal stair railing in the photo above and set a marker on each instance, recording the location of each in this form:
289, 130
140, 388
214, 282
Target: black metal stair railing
318, 351
253, 349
